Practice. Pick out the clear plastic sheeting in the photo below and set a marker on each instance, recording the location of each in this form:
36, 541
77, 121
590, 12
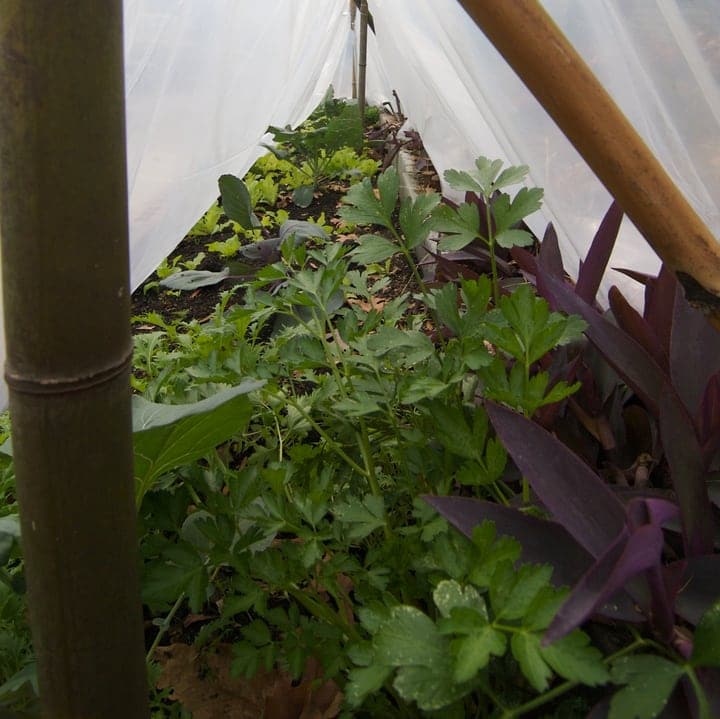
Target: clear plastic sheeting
658, 59
204, 79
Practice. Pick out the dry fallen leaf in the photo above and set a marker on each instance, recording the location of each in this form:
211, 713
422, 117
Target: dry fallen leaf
201, 681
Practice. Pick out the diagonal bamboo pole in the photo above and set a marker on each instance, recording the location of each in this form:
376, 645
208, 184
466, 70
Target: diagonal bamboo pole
63, 221
553, 71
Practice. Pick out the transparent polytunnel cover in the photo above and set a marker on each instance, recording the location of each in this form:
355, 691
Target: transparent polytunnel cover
204, 79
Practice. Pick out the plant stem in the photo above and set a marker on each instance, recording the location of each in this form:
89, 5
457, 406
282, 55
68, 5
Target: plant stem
164, 627
561, 689
491, 251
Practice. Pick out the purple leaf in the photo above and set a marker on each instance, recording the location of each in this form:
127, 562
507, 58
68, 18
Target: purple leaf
700, 587
634, 325
549, 256
575, 496
659, 304
595, 264
694, 352
708, 421
622, 352
687, 471
542, 542
630, 555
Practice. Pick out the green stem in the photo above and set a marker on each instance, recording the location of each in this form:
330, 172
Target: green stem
329, 440
323, 612
561, 689
491, 250
703, 705
164, 627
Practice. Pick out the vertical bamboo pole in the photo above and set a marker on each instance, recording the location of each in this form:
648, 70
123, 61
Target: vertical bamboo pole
353, 14
537, 50
362, 61
63, 221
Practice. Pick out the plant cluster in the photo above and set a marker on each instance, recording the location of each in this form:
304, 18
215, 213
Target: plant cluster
301, 459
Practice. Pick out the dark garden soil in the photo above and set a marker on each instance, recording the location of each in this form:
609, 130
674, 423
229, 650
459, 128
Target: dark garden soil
200, 303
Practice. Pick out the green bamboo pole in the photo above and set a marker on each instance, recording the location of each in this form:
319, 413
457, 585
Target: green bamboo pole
553, 71
63, 221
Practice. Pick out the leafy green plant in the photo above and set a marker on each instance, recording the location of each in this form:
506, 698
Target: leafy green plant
488, 214
312, 148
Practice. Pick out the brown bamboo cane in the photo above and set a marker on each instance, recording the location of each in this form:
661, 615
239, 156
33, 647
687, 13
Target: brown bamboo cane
534, 46
63, 221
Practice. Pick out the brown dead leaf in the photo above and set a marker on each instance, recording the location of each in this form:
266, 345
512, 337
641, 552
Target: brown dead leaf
375, 303
202, 683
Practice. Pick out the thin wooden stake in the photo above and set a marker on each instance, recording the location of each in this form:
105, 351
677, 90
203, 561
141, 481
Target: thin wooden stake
63, 221
362, 61
537, 50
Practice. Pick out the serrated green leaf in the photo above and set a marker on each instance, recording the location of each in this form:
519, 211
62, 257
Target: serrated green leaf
373, 248
507, 212
525, 648
574, 658
544, 608
514, 238
472, 653
446, 307
192, 279
449, 595
453, 430
388, 184
416, 388
364, 518
410, 638
180, 571
461, 180
649, 681
706, 647
415, 218
487, 172
461, 225
364, 681
511, 176
362, 207
529, 580
257, 633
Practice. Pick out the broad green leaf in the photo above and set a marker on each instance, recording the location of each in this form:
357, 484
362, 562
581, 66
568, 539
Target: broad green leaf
416, 220
192, 279
303, 196
301, 230
431, 688
388, 184
410, 638
364, 681
9, 535
449, 595
649, 681
407, 347
462, 225
574, 658
373, 248
526, 650
706, 647
236, 201
168, 436
472, 653
544, 608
